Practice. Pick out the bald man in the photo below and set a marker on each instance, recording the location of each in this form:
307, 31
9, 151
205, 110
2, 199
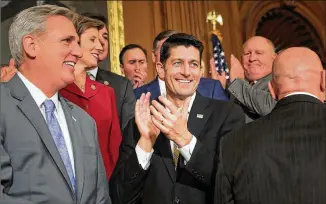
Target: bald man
249, 80
280, 158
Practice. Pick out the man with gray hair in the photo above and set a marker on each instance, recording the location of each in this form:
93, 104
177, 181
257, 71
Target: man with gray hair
48, 146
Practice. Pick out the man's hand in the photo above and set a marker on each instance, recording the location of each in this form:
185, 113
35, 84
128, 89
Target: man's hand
174, 123
7, 72
236, 70
215, 75
139, 78
148, 131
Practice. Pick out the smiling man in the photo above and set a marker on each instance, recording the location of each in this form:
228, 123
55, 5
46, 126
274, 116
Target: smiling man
249, 86
169, 151
49, 148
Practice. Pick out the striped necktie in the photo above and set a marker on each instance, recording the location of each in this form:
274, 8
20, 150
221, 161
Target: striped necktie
91, 76
176, 154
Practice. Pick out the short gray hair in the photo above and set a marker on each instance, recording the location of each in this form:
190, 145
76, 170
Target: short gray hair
31, 21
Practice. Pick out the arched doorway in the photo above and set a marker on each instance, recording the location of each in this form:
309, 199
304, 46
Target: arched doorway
287, 28
266, 18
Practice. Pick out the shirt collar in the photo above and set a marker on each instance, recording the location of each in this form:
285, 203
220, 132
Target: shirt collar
37, 94
191, 101
301, 92
161, 84
93, 72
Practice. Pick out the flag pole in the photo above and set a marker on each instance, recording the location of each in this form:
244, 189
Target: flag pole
218, 53
214, 17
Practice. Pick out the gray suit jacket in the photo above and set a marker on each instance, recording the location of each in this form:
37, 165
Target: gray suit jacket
256, 101
31, 167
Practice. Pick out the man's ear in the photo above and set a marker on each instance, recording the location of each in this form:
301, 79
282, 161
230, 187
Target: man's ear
122, 69
202, 68
271, 90
160, 70
153, 56
323, 81
30, 46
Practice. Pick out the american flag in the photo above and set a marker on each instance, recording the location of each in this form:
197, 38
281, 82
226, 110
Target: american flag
219, 57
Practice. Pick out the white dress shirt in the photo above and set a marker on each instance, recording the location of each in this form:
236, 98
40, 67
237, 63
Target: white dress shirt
185, 151
39, 98
161, 84
93, 73
301, 92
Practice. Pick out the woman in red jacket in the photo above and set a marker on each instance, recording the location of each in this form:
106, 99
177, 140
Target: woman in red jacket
97, 99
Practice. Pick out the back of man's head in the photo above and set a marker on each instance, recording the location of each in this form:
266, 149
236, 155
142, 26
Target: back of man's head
157, 43
298, 69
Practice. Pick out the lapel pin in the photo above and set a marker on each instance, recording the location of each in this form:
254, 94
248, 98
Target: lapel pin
106, 83
201, 116
93, 87
74, 119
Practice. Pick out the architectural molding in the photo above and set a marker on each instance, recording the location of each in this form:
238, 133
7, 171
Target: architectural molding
116, 33
251, 13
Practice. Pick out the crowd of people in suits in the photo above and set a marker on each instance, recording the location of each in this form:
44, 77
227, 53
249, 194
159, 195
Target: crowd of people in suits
71, 132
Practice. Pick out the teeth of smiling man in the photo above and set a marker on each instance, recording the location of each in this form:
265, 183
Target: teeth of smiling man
70, 63
184, 81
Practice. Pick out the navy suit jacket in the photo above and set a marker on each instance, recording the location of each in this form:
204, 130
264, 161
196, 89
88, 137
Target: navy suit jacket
209, 88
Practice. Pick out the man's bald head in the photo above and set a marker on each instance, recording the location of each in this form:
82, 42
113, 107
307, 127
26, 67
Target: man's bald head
298, 69
257, 59
261, 39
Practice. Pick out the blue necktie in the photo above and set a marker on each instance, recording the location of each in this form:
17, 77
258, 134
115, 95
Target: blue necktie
59, 141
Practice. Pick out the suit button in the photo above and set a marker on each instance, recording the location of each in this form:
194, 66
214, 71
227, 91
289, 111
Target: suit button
86, 107
176, 200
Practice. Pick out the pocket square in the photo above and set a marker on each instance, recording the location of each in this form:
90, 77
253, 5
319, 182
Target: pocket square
200, 116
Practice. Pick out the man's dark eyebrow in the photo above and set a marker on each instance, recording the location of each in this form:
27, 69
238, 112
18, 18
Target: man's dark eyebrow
194, 61
175, 59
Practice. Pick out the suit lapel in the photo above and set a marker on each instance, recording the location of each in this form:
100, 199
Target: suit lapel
75, 134
199, 114
32, 112
100, 78
154, 88
263, 82
162, 144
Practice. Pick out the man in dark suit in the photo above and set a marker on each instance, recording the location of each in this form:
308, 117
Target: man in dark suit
122, 86
49, 148
280, 158
169, 152
207, 87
